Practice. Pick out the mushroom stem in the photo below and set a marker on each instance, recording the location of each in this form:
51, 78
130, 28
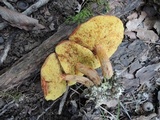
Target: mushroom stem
75, 78
89, 72
107, 70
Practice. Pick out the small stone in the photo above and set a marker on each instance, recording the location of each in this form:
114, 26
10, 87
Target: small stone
51, 26
148, 106
22, 5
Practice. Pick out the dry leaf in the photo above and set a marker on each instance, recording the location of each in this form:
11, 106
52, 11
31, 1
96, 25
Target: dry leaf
132, 16
157, 27
147, 35
131, 35
132, 25
146, 73
19, 20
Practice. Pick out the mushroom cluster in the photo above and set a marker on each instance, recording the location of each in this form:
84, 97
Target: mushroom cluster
89, 47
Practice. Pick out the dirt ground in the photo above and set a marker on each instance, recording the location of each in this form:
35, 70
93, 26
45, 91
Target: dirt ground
136, 64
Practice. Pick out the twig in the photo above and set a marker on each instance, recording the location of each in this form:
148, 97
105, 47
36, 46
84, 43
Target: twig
5, 108
8, 5
75, 91
3, 56
28, 11
125, 110
63, 100
39, 116
35, 7
107, 112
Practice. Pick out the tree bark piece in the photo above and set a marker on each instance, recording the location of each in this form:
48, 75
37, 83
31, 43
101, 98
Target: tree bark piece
31, 63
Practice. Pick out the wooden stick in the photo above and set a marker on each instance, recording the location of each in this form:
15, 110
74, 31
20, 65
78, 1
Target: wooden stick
31, 63
28, 11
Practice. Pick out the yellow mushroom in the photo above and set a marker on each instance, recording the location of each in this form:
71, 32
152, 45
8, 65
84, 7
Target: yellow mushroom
53, 80
103, 32
89, 47
70, 54
52, 83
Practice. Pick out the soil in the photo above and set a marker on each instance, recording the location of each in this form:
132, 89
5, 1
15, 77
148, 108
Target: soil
136, 64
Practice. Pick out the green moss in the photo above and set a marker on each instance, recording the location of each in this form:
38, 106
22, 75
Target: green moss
87, 11
80, 17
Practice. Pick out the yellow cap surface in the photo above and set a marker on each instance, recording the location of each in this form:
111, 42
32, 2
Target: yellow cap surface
70, 53
51, 78
104, 29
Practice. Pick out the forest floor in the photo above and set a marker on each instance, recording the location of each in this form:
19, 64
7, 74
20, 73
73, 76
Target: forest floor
136, 63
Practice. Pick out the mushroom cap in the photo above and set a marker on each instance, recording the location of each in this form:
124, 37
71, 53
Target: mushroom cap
70, 53
104, 29
51, 78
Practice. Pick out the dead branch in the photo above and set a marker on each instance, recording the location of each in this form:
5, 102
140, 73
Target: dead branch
31, 63
35, 7
28, 11
19, 20
8, 5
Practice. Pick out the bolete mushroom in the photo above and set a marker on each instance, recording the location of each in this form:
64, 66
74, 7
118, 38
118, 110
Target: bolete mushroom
77, 60
89, 47
102, 35
51, 80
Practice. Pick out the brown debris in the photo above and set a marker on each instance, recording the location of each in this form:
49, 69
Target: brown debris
19, 20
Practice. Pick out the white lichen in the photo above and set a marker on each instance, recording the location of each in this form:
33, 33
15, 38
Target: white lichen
107, 91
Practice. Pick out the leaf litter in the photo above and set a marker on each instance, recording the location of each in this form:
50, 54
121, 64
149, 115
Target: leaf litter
142, 27
137, 67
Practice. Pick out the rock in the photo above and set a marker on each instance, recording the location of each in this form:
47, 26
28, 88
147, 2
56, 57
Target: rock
51, 26
22, 5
